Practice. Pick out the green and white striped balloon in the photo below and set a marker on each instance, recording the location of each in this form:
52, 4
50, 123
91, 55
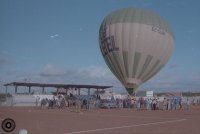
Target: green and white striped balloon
135, 44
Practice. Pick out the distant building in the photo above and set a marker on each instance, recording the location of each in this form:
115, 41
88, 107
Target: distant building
108, 95
144, 94
172, 95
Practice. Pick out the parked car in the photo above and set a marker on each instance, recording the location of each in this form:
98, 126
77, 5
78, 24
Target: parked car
107, 104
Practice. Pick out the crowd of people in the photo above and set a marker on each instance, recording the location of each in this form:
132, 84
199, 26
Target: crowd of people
58, 102
63, 102
138, 103
173, 103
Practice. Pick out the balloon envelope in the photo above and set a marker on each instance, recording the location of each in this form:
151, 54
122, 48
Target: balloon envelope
135, 44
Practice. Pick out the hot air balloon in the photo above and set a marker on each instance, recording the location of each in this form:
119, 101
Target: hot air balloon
135, 44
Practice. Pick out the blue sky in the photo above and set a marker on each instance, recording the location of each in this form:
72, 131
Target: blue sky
56, 41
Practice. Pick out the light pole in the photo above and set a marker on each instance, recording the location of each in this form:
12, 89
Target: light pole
1, 86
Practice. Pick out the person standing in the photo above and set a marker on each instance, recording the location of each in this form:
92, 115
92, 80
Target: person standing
168, 104
165, 104
154, 104
180, 104
188, 104
175, 103
37, 101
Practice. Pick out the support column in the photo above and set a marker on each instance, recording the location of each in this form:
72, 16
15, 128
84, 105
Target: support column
97, 93
42, 90
29, 89
66, 90
15, 89
79, 91
88, 91
57, 91
6, 90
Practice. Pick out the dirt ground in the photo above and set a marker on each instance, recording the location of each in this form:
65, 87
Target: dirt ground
102, 121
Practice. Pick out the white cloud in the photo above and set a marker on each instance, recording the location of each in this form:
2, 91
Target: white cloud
170, 80
51, 70
88, 74
54, 36
2, 61
81, 29
174, 81
95, 72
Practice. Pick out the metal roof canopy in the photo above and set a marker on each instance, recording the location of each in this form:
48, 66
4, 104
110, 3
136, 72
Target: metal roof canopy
65, 86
